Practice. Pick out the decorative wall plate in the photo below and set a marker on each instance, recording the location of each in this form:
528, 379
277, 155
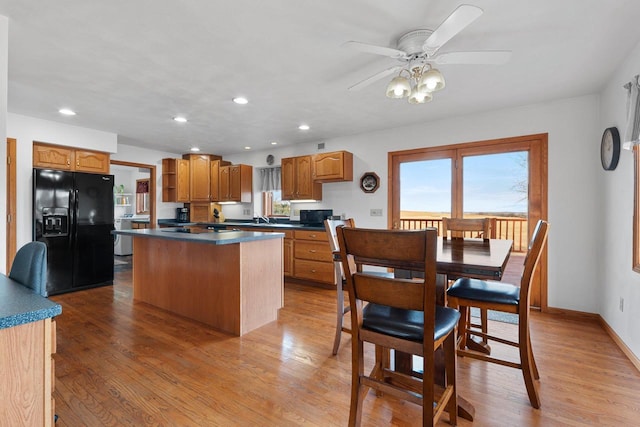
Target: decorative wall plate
369, 182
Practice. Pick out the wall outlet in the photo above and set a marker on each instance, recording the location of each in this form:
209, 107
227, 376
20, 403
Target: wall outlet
621, 304
246, 212
296, 212
321, 146
376, 212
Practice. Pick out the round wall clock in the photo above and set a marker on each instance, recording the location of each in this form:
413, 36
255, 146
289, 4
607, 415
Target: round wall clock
369, 182
610, 148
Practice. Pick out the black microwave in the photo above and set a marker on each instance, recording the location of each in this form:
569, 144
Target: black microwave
315, 217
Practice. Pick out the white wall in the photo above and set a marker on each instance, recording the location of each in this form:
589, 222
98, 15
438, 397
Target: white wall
4, 48
574, 135
616, 279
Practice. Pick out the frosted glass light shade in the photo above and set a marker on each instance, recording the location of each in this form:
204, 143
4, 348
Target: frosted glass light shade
398, 88
418, 97
431, 81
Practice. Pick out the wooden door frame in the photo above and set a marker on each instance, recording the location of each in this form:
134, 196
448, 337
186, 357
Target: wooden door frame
11, 202
536, 145
152, 186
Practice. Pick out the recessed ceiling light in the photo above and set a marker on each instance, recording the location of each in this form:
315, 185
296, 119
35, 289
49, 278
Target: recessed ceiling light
247, 148
274, 143
195, 149
180, 119
67, 112
241, 100
304, 127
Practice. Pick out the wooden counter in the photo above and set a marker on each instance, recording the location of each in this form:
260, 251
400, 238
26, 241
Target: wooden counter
229, 280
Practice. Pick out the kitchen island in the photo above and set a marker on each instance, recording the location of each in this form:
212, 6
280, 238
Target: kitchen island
230, 280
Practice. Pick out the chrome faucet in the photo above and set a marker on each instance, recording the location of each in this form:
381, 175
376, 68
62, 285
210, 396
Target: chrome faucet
262, 217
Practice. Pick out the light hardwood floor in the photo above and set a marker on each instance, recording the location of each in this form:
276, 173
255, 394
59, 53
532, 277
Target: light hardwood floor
122, 363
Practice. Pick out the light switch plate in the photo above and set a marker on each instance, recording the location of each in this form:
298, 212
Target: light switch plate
376, 212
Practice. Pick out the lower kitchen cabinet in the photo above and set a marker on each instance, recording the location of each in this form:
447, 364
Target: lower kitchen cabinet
312, 258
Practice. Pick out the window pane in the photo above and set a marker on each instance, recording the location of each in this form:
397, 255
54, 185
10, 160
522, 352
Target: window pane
279, 207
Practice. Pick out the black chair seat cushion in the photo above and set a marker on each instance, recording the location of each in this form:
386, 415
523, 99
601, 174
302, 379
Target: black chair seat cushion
407, 324
486, 291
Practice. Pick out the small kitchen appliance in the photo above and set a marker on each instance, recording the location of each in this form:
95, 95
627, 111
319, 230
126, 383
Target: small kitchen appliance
182, 214
314, 217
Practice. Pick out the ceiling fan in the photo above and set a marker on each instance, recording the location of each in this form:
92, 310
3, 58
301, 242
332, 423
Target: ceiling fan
419, 50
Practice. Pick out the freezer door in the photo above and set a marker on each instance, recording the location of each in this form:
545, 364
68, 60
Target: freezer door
94, 255
94, 199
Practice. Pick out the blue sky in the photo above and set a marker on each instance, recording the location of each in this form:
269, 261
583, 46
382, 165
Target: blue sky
490, 184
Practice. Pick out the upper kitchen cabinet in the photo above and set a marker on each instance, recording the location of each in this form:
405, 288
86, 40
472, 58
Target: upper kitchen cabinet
200, 176
333, 167
215, 178
297, 179
68, 158
236, 183
175, 180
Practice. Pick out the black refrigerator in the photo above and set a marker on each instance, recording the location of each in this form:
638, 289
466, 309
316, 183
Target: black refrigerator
73, 216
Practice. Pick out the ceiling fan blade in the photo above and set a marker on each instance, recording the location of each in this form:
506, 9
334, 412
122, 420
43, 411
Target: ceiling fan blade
377, 50
376, 77
487, 57
458, 20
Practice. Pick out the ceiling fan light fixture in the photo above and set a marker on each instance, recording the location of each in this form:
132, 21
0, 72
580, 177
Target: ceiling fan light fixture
431, 81
398, 88
419, 97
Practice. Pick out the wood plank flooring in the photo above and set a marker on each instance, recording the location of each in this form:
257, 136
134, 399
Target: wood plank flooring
122, 363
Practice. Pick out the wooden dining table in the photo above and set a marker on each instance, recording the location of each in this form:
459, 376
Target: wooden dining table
460, 257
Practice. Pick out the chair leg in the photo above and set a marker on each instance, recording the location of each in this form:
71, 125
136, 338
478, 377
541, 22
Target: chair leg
462, 326
340, 316
449, 348
484, 325
536, 375
526, 360
358, 390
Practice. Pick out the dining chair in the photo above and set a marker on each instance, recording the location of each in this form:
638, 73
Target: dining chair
29, 267
508, 298
400, 314
482, 227
341, 309
458, 226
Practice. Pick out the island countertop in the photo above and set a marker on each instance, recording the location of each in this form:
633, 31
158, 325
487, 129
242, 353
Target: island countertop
215, 237
20, 305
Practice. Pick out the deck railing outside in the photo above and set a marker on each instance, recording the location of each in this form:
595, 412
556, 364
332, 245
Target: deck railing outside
503, 228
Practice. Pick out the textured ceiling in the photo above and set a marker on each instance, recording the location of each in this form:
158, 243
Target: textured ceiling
128, 67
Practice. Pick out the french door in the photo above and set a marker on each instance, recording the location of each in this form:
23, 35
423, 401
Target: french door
505, 179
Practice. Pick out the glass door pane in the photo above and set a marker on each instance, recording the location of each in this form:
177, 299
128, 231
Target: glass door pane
425, 193
496, 186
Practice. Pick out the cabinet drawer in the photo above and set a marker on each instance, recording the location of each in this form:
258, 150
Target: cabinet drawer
315, 251
314, 270
320, 236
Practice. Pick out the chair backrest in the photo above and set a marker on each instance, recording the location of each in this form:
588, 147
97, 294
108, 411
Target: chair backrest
536, 245
405, 249
29, 267
330, 227
459, 226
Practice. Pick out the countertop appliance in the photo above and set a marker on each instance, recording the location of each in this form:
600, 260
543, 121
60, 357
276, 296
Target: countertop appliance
73, 216
314, 217
182, 214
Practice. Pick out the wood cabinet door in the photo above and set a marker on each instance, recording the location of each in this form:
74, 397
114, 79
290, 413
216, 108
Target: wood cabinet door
288, 257
200, 182
45, 156
333, 167
215, 180
288, 178
304, 178
235, 190
199, 212
91, 161
224, 182
182, 181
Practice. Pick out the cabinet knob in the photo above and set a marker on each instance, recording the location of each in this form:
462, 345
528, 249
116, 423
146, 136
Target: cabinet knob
313, 251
